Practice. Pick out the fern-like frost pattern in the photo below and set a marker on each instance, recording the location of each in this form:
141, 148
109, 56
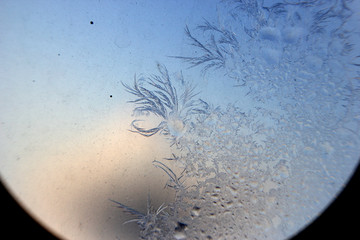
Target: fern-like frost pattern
158, 96
245, 173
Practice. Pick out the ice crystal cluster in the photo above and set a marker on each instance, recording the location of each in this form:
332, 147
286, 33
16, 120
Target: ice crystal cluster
158, 96
257, 172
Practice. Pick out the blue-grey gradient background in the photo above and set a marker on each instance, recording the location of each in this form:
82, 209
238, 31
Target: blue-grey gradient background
64, 145
65, 149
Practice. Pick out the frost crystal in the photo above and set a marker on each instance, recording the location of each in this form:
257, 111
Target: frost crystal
261, 172
157, 95
153, 224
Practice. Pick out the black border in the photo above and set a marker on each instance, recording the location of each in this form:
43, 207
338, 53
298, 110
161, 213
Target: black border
17, 223
341, 218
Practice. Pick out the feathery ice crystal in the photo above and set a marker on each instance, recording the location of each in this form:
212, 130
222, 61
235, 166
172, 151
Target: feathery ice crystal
158, 96
152, 223
250, 170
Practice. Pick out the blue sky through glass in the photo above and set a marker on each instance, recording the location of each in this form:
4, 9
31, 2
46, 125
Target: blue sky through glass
285, 94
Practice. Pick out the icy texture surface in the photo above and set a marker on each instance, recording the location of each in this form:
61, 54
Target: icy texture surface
257, 172
157, 96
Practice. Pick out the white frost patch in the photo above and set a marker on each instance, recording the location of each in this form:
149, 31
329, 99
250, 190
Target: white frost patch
271, 56
176, 126
180, 236
292, 34
313, 63
276, 221
270, 33
269, 185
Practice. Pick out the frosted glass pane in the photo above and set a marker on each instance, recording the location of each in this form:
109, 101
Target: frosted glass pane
182, 119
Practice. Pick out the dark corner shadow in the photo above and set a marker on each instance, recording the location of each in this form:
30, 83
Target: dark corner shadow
16, 222
341, 218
